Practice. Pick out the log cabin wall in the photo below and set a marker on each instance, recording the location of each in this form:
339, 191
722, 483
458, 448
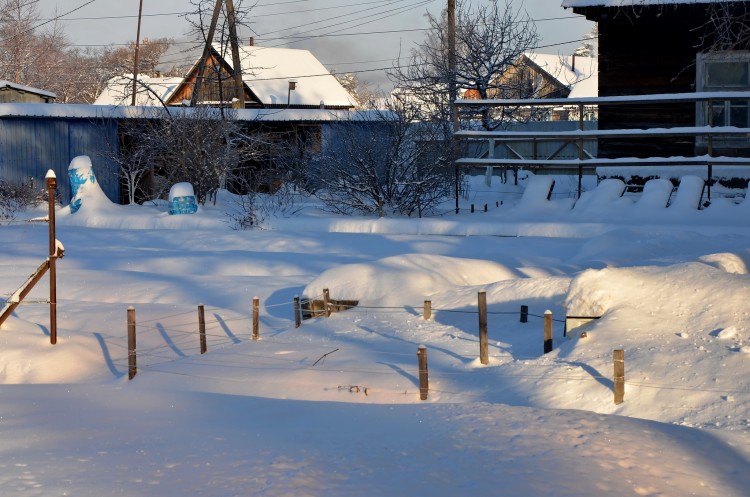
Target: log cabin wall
647, 50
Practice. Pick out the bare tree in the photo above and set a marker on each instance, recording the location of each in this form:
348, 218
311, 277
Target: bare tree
385, 162
727, 27
361, 91
489, 41
215, 82
117, 60
32, 51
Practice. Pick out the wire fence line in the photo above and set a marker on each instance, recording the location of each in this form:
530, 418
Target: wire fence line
157, 357
180, 343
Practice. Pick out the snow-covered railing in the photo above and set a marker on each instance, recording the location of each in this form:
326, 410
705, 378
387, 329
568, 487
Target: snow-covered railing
705, 137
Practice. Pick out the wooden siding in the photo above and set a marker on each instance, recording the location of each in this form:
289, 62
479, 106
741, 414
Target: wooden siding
647, 50
8, 95
30, 147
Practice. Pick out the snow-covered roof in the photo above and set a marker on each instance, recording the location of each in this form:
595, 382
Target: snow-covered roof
119, 90
268, 71
86, 111
580, 74
630, 3
28, 89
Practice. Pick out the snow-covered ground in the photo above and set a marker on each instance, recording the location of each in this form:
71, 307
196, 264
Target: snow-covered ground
332, 408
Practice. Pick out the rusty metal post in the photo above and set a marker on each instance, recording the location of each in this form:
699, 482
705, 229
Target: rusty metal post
51, 181
524, 314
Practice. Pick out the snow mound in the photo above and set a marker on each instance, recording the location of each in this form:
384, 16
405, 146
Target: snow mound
727, 333
671, 293
406, 279
689, 193
83, 185
607, 194
731, 263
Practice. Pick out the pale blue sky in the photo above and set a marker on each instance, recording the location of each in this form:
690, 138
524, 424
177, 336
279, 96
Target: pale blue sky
399, 23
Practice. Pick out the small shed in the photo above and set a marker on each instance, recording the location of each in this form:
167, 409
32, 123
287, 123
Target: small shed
14, 92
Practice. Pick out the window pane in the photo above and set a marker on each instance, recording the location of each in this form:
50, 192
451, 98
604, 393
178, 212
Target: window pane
718, 115
727, 74
738, 115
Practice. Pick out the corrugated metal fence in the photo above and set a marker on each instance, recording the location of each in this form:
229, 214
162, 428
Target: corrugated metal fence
30, 146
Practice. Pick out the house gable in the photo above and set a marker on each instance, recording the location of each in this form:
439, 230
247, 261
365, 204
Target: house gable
217, 85
273, 78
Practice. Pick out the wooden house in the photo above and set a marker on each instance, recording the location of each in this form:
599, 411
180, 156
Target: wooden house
13, 92
546, 76
273, 78
649, 47
539, 75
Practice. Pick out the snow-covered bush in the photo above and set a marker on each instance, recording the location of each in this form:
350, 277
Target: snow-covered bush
385, 162
16, 197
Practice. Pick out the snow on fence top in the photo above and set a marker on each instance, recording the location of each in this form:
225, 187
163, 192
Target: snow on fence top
85, 111
630, 3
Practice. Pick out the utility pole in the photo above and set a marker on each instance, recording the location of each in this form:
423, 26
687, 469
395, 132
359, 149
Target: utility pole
136, 58
452, 92
239, 86
206, 52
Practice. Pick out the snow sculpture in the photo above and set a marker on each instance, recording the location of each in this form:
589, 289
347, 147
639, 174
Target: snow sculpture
182, 199
81, 175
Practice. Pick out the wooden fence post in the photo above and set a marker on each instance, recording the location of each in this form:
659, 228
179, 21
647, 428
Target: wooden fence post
256, 318
202, 328
424, 384
547, 331
326, 303
297, 312
524, 314
484, 356
51, 183
618, 358
132, 368
427, 309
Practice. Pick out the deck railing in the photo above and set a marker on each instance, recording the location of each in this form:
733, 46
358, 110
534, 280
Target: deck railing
479, 148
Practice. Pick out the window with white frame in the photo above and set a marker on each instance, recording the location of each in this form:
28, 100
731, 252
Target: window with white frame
724, 71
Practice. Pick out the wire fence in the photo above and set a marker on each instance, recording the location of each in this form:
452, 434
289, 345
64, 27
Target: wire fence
338, 360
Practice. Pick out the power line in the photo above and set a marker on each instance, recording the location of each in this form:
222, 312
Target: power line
357, 71
337, 17
383, 16
182, 14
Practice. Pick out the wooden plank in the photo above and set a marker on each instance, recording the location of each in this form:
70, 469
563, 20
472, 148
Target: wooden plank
18, 296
